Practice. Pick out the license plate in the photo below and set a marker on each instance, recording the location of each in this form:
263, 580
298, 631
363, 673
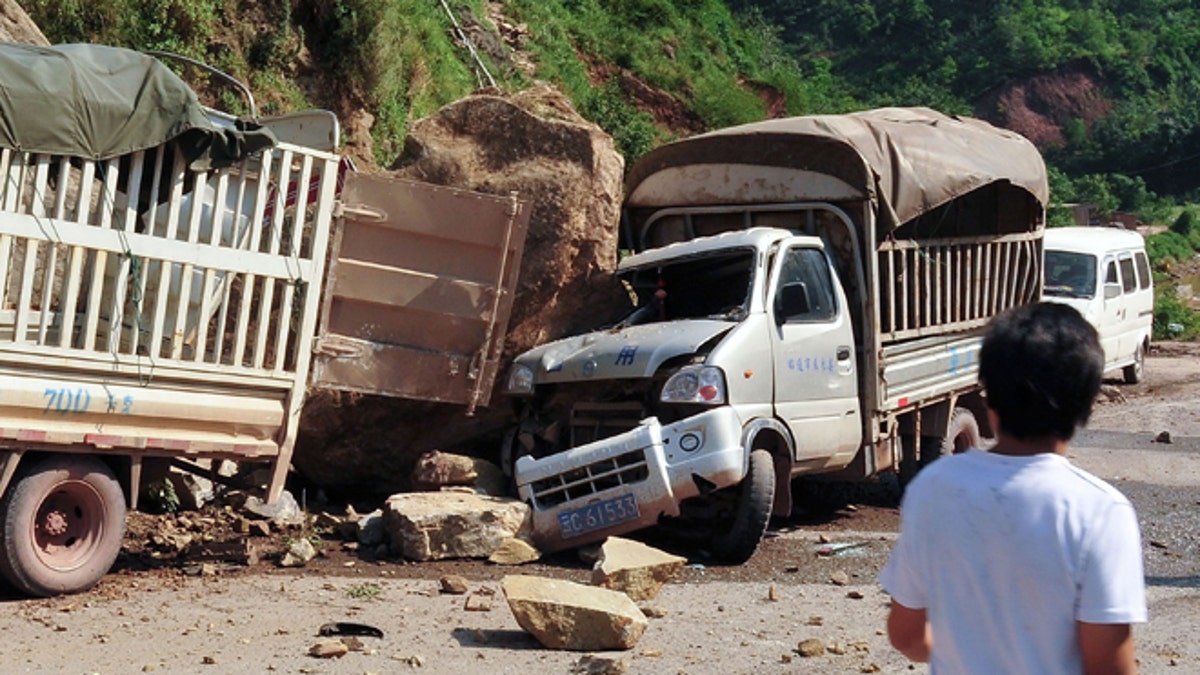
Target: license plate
597, 515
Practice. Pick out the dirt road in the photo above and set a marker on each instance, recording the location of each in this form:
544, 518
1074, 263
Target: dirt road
714, 619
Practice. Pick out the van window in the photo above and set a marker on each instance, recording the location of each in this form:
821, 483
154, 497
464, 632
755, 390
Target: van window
1143, 269
1110, 273
1070, 275
1128, 281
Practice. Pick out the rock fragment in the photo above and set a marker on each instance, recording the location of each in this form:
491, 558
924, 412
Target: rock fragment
591, 664
566, 615
298, 553
454, 584
328, 649
638, 570
514, 551
811, 647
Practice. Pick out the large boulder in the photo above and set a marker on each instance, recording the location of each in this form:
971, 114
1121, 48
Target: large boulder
533, 143
436, 525
566, 615
16, 26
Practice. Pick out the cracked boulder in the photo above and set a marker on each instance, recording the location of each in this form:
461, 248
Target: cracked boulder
565, 615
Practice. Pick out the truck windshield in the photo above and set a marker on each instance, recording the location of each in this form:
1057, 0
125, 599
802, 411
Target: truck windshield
714, 286
1070, 275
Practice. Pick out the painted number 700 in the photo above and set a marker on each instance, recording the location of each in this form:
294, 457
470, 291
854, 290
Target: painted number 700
66, 401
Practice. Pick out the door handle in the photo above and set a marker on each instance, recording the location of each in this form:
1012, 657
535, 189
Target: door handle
843, 353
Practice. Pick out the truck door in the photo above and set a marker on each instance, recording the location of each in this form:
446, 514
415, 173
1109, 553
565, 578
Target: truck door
812, 345
419, 290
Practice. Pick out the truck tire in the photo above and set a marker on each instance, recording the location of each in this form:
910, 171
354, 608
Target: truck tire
962, 433
751, 512
63, 523
1135, 371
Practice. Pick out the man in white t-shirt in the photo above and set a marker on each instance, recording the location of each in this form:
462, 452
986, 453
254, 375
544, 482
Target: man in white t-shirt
1012, 560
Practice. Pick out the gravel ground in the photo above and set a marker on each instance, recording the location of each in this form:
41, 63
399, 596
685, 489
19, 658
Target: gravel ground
715, 619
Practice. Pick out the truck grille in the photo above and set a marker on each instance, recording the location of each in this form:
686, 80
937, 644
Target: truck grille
625, 469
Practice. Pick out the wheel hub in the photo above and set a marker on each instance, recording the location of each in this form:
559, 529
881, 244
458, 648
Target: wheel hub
55, 523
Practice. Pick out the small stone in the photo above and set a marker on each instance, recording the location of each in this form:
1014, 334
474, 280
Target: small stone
786, 658
870, 668
479, 636
298, 553
328, 649
352, 643
1163, 437
652, 653
836, 648
839, 578
454, 584
208, 661
653, 612
773, 594
148, 668
591, 664
478, 602
811, 647
816, 621
855, 595
412, 660
824, 539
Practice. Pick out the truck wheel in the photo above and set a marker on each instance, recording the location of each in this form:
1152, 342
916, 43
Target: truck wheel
63, 521
1135, 371
962, 434
751, 512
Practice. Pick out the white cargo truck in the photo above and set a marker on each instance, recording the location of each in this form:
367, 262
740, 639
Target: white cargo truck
174, 280
809, 296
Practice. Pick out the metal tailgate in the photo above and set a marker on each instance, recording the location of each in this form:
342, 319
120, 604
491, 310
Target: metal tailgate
419, 291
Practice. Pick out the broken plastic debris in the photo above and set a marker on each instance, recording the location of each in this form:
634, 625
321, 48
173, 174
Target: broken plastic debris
839, 548
347, 628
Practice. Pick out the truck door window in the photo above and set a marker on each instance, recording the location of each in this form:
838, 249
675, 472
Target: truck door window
1110, 273
805, 288
1128, 280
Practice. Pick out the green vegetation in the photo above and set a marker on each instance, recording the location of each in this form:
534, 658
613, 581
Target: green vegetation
364, 591
1127, 111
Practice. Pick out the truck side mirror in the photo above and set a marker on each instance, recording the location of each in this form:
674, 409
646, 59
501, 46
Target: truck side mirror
1111, 291
792, 301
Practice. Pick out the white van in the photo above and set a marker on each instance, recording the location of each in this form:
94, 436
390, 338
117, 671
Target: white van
1104, 273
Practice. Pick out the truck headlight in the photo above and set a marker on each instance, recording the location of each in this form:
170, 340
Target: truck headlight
520, 380
695, 384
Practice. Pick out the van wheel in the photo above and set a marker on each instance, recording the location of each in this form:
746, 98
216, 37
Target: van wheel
1135, 371
63, 522
746, 525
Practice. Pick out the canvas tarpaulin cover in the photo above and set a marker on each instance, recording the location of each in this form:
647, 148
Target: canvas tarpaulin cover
102, 102
908, 161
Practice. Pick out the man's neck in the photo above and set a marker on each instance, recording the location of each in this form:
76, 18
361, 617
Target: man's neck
1022, 447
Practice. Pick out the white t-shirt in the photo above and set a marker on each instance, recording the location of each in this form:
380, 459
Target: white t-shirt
1006, 553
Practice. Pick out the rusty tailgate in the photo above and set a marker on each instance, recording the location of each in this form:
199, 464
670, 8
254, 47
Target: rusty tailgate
419, 291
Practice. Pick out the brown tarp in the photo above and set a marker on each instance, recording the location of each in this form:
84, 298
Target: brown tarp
908, 160
103, 102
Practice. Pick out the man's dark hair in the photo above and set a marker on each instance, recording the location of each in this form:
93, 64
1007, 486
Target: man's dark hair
1041, 366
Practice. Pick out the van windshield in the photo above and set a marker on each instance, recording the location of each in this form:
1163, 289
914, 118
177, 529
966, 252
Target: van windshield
1070, 275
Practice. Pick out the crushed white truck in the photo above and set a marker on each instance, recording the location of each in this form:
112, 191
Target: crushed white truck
809, 297
173, 280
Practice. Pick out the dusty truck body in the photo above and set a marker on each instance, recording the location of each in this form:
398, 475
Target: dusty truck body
173, 297
810, 295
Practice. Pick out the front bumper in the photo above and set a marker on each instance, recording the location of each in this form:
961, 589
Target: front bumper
626, 482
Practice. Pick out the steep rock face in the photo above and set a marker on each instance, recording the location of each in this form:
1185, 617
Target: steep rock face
1040, 107
533, 143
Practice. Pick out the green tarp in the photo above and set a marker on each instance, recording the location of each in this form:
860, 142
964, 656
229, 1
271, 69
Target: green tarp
102, 102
